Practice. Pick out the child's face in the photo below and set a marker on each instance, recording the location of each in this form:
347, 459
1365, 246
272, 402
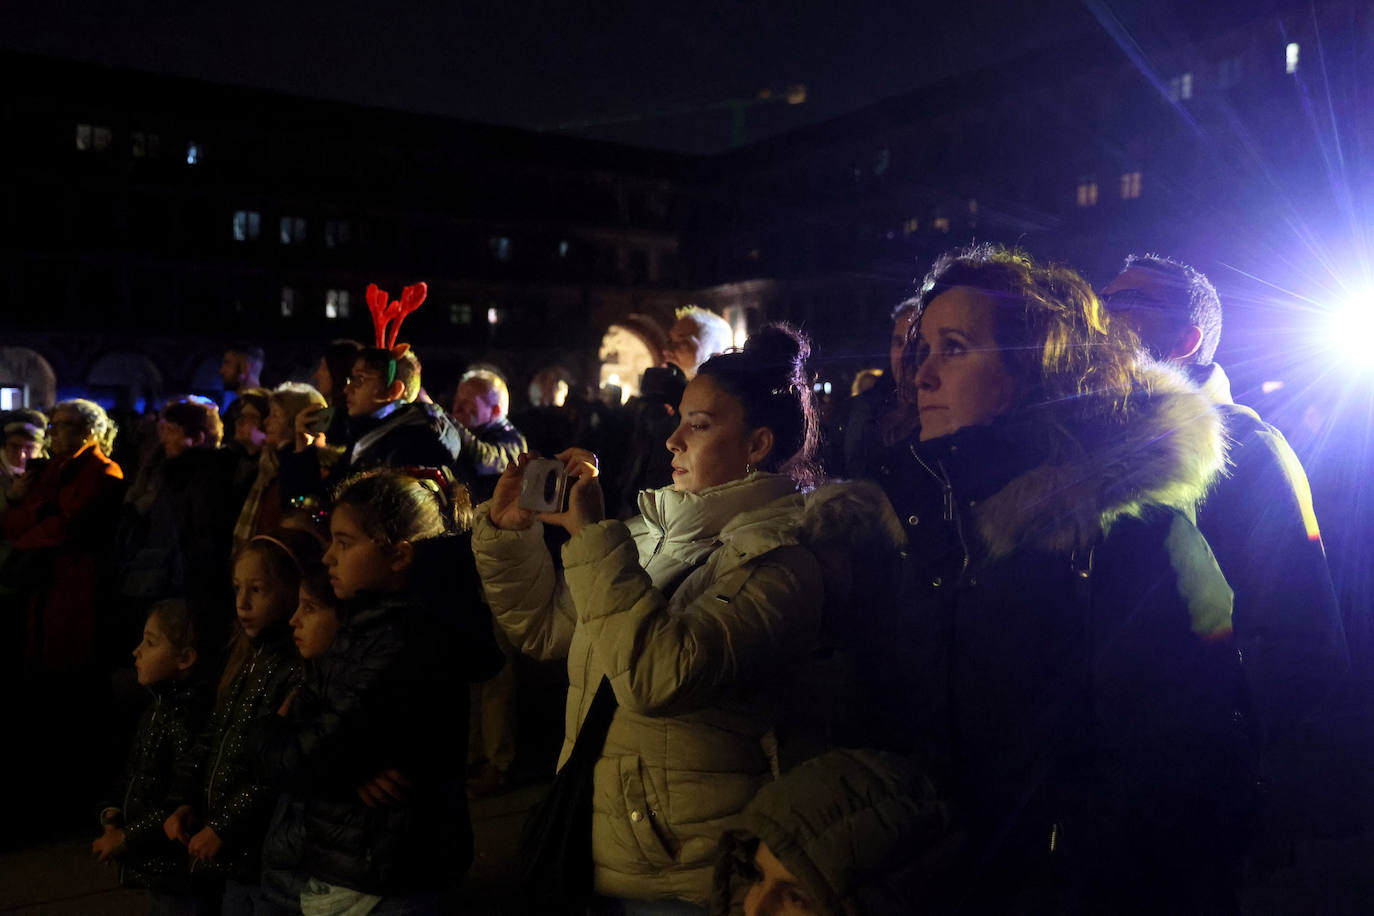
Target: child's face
356, 562
260, 599
776, 891
155, 658
314, 624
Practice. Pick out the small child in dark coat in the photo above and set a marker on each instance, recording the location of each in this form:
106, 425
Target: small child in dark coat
133, 837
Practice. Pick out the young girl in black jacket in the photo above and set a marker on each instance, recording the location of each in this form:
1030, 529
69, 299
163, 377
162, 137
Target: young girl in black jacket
224, 805
133, 839
385, 706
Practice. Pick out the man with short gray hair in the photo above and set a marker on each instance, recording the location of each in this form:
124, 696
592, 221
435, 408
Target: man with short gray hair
695, 337
490, 441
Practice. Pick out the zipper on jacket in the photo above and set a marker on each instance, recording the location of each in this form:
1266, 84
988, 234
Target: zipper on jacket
939, 473
219, 755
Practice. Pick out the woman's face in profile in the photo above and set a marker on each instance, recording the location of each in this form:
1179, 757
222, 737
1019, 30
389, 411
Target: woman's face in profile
711, 445
962, 379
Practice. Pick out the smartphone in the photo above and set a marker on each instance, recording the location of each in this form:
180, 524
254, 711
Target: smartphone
323, 419
544, 485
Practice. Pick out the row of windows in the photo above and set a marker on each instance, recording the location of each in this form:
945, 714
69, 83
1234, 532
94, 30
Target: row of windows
99, 138
1230, 71
338, 305
292, 230
1087, 189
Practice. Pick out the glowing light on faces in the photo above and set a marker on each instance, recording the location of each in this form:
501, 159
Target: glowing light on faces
313, 625
961, 379
260, 600
711, 445
155, 658
355, 561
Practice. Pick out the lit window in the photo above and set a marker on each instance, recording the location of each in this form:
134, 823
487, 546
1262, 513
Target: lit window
910, 226
337, 233
139, 143
1290, 57
500, 247
1181, 87
563, 248
493, 315
459, 313
192, 153
336, 303
288, 302
1087, 192
247, 225
940, 224
292, 230
83, 136
1130, 185
101, 138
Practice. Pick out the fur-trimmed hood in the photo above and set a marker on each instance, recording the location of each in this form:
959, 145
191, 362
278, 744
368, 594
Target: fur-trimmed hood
1165, 448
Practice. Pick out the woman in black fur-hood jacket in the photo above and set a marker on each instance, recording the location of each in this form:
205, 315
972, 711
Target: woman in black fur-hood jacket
1070, 628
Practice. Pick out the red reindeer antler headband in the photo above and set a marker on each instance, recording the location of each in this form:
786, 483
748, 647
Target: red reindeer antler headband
391, 315
387, 314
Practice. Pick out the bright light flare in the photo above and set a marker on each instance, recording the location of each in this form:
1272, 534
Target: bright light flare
1350, 328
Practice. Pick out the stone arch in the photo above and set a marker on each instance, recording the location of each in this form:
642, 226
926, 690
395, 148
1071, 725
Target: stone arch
27, 379
626, 351
125, 379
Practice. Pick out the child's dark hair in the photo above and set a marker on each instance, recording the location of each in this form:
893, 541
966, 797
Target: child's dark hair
315, 583
404, 369
287, 552
177, 622
769, 379
393, 506
197, 418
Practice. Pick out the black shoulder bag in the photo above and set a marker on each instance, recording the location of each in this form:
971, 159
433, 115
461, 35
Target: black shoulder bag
555, 868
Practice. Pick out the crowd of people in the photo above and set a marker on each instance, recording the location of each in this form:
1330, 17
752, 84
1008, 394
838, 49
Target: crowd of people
1039, 621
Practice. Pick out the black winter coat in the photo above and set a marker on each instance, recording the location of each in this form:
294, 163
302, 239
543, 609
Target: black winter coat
414, 435
218, 777
166, 733
486, 452
390, 692
1074, 676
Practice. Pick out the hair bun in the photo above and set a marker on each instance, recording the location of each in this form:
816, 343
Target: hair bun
782, 348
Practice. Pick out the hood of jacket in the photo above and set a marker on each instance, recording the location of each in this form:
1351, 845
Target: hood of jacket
858, 828
1164, 448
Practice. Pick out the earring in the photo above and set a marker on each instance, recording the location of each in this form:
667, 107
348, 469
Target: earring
748, 469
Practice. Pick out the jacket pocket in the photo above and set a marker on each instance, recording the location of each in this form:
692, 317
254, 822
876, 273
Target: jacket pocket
644, 813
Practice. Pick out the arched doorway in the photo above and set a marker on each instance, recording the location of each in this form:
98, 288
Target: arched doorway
624, 355
26, 379
125, 379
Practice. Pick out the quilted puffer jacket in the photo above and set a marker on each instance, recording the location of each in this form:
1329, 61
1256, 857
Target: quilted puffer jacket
710, 680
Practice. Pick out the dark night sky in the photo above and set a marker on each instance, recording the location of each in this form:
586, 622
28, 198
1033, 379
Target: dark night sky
545, 64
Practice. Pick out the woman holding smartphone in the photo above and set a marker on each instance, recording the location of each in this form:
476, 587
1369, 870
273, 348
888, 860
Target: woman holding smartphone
702, 614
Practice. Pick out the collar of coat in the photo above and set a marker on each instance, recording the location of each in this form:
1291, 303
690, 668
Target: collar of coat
1033, 491
689, 524
841, 521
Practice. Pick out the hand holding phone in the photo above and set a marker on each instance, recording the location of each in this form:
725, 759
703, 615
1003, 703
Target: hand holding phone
544, 485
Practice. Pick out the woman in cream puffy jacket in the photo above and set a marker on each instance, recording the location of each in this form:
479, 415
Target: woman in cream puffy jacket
704, 613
